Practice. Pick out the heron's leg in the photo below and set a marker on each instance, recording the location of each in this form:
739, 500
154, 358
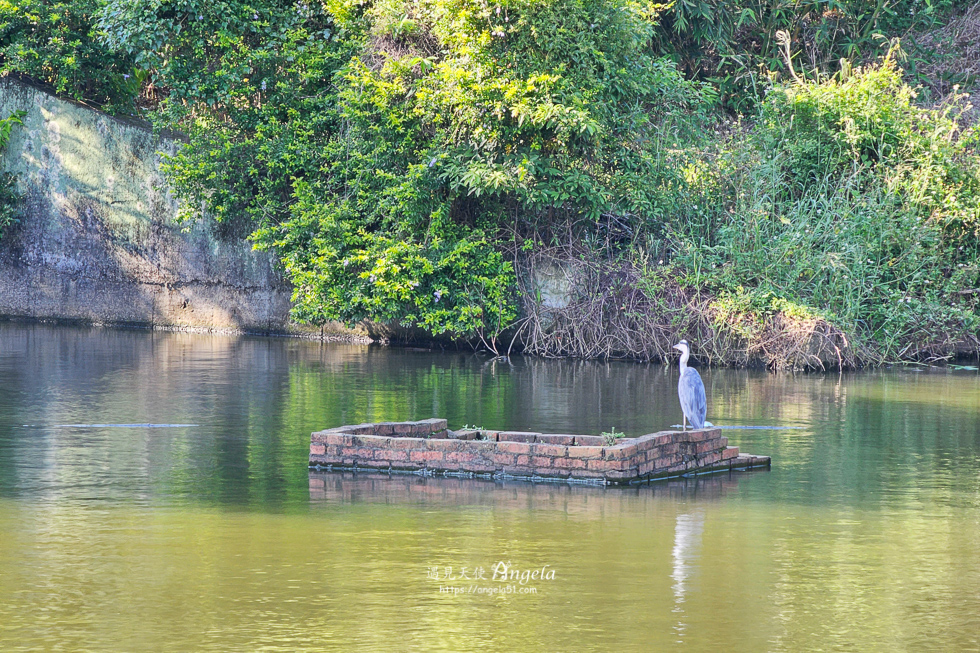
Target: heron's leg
684, 423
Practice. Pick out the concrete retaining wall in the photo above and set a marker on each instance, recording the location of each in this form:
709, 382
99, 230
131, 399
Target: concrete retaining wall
429, 447
98, 242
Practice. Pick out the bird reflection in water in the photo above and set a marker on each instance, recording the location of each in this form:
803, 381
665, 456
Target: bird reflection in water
687, 549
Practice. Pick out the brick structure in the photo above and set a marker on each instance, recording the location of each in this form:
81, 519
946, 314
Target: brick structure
429, 447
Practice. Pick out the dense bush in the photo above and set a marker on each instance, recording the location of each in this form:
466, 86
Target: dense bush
57, 43
409, 159
850, 200
735, 44
251, 86
9, 199
468, 124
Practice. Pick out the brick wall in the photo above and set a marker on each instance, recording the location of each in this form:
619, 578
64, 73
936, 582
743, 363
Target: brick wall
428, 446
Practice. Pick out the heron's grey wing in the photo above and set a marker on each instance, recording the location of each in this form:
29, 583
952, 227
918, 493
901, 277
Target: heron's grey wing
693, 402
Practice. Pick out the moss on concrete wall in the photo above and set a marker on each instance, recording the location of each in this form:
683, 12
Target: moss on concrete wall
98, 242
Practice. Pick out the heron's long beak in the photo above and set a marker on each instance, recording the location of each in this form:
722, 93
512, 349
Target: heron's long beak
677, 347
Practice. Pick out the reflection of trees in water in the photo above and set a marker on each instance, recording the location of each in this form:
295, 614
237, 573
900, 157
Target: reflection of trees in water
579, 500
257, 399
231, 387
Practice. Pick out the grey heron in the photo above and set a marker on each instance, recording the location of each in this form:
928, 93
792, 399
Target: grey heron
690, 390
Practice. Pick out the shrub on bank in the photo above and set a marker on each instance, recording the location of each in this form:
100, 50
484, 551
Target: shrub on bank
57, 43
849, 199
409, 161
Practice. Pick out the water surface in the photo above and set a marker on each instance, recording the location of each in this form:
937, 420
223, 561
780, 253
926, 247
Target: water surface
154, 495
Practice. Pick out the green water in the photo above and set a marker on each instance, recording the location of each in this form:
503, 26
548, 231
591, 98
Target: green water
864, 536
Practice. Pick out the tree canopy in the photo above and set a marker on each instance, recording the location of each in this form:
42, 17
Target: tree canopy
406, 159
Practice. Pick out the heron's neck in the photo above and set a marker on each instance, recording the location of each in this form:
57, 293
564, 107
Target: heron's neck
684, 358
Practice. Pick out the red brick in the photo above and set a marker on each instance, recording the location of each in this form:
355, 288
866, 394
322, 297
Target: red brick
585, 452
320, 460
402, 428
420, 428
513, 447
318, 449
425, 456
442, 445
361, 429
724, 442
707, 447
434, 424
570, 463
504, 458
599, 465
516, 436
406, 443
524, 461
620, 475
588, 473
394, 455
406, 465
343, 439
589, 440
553, 472
369, 441
548, 450
374, 464
478, 467
730, 452
462, 457
711, 459
620, 451
321, 436
645, 443
541, 461
653, 454
552, 438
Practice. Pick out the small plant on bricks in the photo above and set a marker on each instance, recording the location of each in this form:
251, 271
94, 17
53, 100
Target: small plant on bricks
609, 438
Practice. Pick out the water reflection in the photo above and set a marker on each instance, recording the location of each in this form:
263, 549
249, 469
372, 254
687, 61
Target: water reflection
687, 549
865, 535
344, 488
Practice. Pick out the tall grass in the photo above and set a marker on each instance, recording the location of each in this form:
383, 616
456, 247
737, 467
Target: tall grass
848, 202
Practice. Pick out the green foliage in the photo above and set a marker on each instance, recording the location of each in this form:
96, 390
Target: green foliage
850, 203
461, 121
735, 44
7, 126
250, 84
865, 123
57, 43
609, 438
9, 199
402, 157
